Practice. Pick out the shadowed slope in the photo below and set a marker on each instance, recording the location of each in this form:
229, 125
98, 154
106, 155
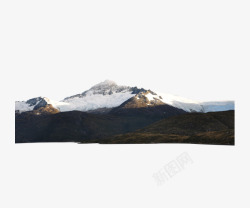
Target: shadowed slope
197, 128
77, 126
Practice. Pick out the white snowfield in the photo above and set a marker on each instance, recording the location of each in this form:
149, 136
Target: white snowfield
180, 102
94, 101
108, 94
191, 105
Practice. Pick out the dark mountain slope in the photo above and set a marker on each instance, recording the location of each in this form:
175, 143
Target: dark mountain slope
198, 128
193, 123
76, 126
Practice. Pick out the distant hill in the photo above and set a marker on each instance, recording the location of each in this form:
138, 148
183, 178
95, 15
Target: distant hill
76, 126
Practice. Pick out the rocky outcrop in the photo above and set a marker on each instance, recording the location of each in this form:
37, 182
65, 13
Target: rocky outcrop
142, 101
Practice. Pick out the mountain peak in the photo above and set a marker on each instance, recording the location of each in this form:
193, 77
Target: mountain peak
109, 82
32, 104
105, 84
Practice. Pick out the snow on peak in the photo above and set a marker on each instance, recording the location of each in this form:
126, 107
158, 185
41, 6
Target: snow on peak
36, 103
106, 87
107, 82
106, 94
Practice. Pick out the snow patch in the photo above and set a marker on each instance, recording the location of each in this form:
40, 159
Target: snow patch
181, 103
152, 97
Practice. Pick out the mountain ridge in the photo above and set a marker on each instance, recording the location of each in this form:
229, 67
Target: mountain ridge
109, 95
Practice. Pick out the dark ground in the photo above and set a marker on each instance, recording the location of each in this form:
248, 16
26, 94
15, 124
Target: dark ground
159, 124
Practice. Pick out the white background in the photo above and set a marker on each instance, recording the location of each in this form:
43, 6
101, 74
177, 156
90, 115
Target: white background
197, 49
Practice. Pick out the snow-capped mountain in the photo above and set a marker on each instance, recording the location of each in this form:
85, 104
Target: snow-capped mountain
108, 95
36, 103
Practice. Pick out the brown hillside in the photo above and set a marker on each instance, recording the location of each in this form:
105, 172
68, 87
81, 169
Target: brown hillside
196, 128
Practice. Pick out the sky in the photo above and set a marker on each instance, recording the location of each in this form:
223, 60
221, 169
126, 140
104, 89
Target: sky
60, 48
